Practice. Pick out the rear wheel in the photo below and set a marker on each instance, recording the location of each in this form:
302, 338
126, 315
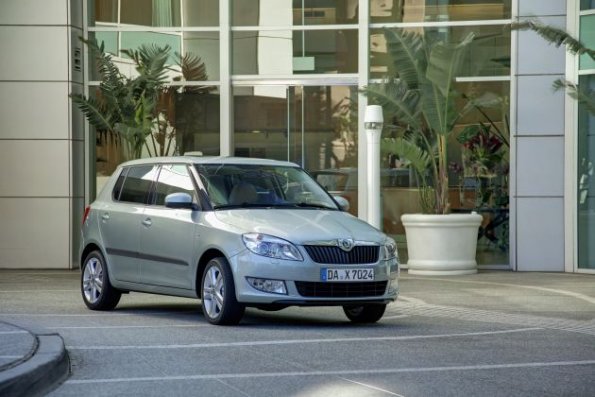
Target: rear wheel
219, 303
362, 314
96, 289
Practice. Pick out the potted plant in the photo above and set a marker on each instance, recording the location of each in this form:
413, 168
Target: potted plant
421, 99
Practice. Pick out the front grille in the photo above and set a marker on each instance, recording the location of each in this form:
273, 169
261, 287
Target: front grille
340, 290
360, 254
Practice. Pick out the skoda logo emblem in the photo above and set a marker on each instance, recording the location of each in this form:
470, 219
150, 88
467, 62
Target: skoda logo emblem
346, 244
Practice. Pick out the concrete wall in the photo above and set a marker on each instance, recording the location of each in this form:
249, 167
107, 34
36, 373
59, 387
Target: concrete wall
41, 193
538, 141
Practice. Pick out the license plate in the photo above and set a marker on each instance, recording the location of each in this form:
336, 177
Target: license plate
336, 274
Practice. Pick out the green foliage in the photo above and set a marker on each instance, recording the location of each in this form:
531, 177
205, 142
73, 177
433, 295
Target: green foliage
398, 100
419, 160
559, 37
584, 96
421, 98
138, 108
486, 101
555, 36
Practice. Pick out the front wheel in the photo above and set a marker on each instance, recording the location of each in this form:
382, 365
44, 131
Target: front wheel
219, 303
96, 289
362, 314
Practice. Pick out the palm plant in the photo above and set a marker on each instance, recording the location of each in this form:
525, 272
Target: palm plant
133, 109
421, 98
123, 106
559, 37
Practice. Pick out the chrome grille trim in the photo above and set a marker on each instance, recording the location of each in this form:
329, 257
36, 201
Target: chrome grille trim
360, 254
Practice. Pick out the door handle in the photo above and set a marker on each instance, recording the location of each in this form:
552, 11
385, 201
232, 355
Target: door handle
147, 222
105, 216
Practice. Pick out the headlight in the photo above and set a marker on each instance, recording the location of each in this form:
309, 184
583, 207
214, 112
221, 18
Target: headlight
272, 247
390, 249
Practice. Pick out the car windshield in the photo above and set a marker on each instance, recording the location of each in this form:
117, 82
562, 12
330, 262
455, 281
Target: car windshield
248, 185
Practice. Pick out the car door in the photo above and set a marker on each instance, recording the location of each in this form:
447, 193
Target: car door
120, 221
167, 243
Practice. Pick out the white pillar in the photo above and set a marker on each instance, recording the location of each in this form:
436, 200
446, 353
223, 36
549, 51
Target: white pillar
373, 125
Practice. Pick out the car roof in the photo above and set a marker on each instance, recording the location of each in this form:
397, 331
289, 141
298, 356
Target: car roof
209, 160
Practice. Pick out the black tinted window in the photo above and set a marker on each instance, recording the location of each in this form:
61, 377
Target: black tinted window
118, 186
173, 178
137, 184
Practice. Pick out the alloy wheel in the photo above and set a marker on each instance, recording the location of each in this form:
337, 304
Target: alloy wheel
93, 280
213, 292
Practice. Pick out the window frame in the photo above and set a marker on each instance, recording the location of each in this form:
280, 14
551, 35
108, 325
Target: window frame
151, 198
147, 193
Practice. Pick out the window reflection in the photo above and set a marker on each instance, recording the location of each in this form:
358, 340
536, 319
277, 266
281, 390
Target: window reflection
103, 11
184, 119
299, 52
478, 171
201, 12
204, 45
294, 12
488, 55
438, 10
329, 12
314, 126
201, 56
196, 120
587, 35
327, 115
109, 40
246, 12
158, 13
586, 180
134, 40
155, 13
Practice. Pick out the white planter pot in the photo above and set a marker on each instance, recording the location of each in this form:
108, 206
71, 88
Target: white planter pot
441, 244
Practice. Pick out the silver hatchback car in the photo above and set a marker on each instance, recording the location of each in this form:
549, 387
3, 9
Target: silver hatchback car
234, 232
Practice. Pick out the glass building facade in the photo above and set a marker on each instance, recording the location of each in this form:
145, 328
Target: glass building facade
294, 71
586, 143
282, 79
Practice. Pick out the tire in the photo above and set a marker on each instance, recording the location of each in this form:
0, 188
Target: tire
96, 289
364, 314
218, 294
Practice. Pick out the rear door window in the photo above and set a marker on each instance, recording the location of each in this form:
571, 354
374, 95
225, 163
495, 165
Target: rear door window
137, 184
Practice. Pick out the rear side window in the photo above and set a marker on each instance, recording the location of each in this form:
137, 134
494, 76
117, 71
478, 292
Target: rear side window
173, 178
137, 184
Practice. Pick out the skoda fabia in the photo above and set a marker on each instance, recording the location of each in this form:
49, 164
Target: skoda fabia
236, 233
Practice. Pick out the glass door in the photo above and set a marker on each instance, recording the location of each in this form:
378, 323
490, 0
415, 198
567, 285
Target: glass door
311, 125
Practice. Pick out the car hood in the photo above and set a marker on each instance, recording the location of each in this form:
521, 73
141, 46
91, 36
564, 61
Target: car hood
301, 225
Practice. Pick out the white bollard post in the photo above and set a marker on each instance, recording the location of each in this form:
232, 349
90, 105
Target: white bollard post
373, 124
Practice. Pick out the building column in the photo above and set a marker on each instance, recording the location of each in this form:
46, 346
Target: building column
41, 144
537, 136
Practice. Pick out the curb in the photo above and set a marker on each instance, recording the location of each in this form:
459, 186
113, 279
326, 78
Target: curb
41, 372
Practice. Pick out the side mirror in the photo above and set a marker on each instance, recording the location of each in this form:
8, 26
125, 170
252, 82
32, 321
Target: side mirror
179, 200
343, 203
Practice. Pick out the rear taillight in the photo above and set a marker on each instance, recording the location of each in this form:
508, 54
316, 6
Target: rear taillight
86, 214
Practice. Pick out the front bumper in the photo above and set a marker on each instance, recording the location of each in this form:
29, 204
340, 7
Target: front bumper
247, 264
